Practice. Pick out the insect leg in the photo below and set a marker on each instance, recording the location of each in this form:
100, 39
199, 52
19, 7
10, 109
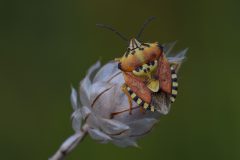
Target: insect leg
143, 111
124, 89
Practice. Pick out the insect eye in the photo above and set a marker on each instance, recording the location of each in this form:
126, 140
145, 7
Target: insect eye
119, 66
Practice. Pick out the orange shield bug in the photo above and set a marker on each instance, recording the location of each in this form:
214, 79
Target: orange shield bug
146, 71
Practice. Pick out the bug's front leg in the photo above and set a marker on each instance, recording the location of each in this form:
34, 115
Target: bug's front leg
124, 89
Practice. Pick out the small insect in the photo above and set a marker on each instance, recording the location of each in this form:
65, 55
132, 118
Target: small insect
146, 71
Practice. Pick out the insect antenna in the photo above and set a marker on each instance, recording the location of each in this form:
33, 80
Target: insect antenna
113, 30
147, 21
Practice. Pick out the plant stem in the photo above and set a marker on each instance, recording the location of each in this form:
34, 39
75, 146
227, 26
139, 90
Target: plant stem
69, 144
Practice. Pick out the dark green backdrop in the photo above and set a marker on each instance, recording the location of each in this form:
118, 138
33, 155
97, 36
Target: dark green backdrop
47, 45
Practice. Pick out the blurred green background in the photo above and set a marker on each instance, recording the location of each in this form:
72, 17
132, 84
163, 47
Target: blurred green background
47, 45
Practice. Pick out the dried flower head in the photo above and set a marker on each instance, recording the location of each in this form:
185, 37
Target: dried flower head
101, 109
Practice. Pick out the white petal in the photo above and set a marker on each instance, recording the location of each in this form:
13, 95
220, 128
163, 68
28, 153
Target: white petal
85, 112
86, 84
142, 126
112, 126
76, 120
92, 69
113, 100
117, 78
179, 57
97, 89
105, 73
105, 103
98, 135
125, 142
74, 99
92, 121
168, 47
84, 94
182, 53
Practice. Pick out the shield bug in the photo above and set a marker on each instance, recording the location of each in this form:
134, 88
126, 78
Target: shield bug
146, 71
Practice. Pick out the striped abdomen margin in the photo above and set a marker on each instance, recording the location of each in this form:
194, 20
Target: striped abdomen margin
140, 102
174, 85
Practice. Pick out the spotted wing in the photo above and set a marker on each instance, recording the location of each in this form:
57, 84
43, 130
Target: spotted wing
138, 87
164, 74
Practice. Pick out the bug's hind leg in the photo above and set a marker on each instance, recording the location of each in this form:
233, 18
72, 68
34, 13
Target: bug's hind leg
142, 110
124, 89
